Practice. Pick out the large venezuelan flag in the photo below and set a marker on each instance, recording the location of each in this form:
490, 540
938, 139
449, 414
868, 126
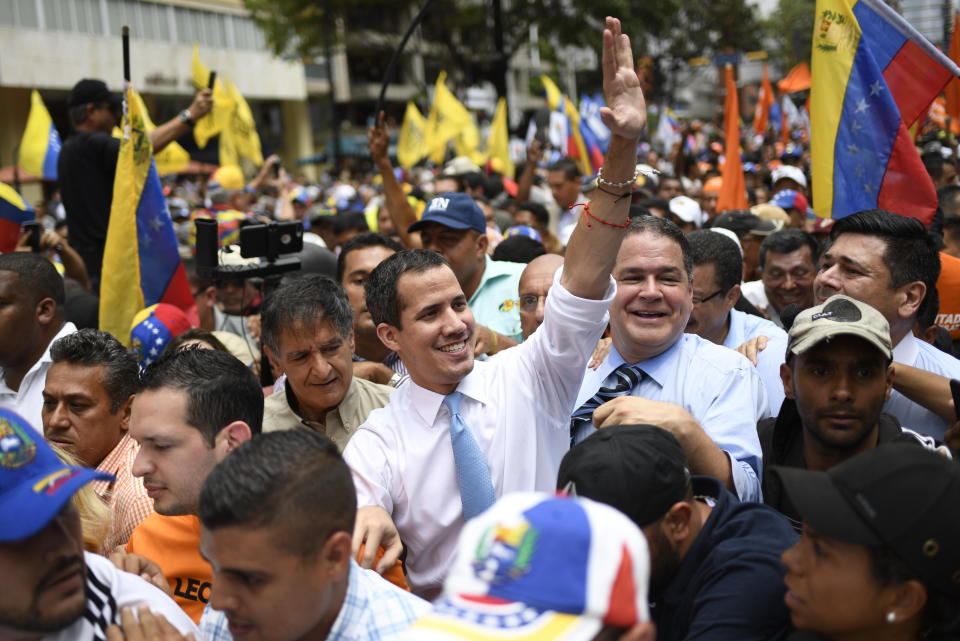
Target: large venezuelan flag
873, 76
141, 264
13, 213
40, 145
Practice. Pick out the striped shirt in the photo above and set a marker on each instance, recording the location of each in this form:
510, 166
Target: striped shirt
126, 497
373, 610
108, 591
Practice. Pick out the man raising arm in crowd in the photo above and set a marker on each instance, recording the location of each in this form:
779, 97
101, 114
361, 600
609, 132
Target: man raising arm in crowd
460, 433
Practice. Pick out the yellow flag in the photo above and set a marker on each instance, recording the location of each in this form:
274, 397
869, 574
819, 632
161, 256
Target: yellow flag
553, 92
120, 294
174, 158
449, 120
223, 105
498, 145
412, 144
243, 127
40, 145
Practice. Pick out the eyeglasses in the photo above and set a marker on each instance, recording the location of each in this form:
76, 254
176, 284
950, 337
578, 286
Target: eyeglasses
699, 301
777, 275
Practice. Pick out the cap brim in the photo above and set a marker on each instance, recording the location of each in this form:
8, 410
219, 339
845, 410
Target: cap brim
502, 622
816, 337
28, 507
446, 221
823, 507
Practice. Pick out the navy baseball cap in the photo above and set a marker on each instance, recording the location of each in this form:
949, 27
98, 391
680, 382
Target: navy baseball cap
452, 209
34, 483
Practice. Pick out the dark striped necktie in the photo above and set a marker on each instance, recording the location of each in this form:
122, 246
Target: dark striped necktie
627, 377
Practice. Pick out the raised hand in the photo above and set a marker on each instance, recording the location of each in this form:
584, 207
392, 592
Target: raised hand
626, 111
378, 139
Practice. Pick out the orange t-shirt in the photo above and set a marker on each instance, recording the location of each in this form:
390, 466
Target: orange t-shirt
173, 543
948, 286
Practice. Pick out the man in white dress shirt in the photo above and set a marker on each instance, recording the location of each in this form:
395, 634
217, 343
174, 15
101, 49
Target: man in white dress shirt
31, 318
890, 263
459, 433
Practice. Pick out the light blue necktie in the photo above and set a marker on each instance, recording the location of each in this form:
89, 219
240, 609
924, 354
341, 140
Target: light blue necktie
473, 475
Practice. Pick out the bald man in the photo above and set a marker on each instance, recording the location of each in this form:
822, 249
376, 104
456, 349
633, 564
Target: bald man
534, 284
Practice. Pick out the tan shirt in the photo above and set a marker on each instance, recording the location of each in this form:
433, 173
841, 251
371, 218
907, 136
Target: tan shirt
362, 398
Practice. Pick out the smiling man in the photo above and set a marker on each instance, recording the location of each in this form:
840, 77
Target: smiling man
836, 378
708, 396
86, 411
890, 263
307, 326
788, 265
52, 589
453, 225
459, 433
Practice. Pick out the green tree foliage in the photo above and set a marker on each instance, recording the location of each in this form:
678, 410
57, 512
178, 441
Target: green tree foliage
791, 29
672, 30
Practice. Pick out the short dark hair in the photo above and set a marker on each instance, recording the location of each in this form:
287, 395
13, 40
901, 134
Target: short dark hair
305, 300
383, 299
710, 247
195, 334
295, 479
666, 229
910, 253
518, 249
540, 213
786, 241
927, 314
219, 388
568, 166
362, 241
121, 372
37, 275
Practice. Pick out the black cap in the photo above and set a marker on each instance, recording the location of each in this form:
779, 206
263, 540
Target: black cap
742, 222
89, 90
896, 495
639, 469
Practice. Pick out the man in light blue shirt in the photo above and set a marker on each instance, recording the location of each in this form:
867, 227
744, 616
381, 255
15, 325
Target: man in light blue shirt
717, 265
708, 396
890, 263
454, 226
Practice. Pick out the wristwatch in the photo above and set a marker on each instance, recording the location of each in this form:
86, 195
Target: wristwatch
185, 117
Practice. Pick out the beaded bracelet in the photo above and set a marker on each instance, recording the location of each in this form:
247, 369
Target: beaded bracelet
589, 214
622, 185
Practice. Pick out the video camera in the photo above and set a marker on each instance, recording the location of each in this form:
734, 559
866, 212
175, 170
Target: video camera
268, 241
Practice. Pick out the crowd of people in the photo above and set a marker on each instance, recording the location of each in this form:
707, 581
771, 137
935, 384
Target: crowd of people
556, 407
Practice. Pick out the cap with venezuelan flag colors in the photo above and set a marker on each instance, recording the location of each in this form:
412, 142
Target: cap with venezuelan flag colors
34, 483
536, 566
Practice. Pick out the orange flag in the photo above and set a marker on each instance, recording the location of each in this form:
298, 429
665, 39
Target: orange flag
733, 192
764, 102
952, 91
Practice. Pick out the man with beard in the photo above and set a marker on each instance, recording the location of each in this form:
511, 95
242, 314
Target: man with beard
837, 377
715, 568
52, 589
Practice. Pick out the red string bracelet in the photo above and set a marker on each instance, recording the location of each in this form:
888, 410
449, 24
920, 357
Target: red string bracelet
589, 214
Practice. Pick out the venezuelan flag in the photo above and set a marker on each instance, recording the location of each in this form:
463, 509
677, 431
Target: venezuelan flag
141, 264
40, 145
13, 213
873, 76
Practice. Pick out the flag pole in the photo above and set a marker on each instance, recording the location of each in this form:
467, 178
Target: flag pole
396, 57
126, 54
